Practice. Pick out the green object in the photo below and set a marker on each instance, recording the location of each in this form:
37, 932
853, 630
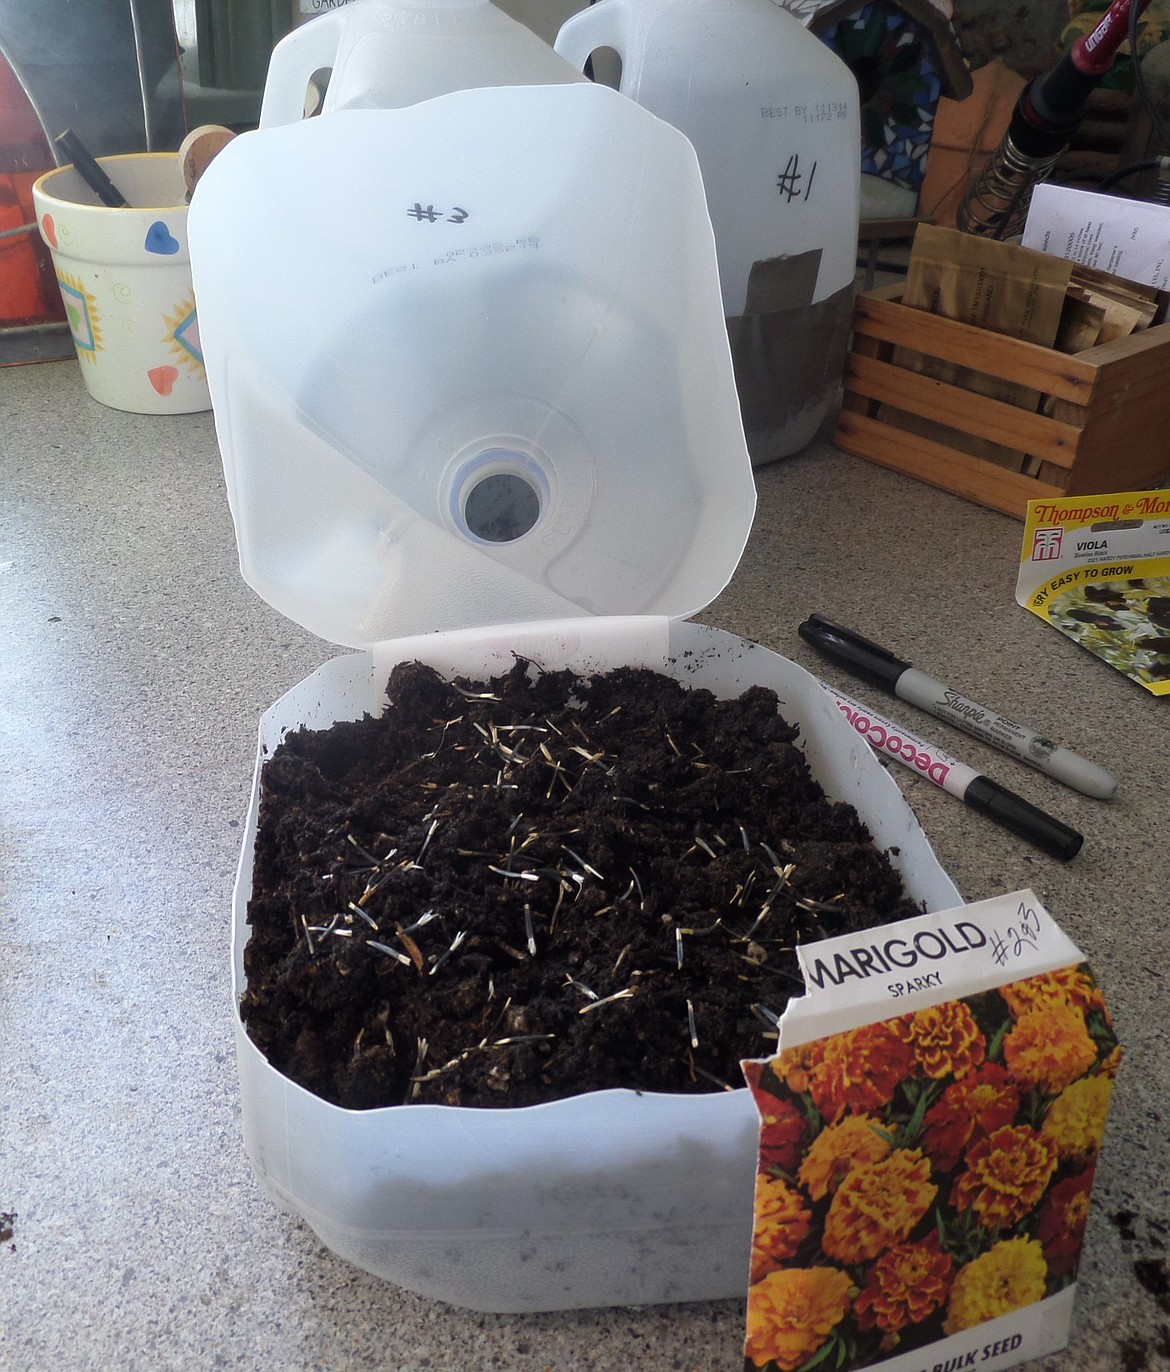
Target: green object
236, 38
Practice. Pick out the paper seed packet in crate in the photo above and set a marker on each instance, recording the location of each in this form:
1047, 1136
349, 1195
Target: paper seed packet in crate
930, 1125
1097, 568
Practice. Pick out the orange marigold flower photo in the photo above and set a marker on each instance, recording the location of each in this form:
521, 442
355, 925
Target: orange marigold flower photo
1060, 1227
877, 1205
1072, 986
859, 1070
1076, 1118
945, 1039
1049, 1047
783, 1129
1111, 1065
1007, 1277
792, 1312
968, 1110
793, 1065
853, 1139
781, 1225
1006, 1177
906, 1285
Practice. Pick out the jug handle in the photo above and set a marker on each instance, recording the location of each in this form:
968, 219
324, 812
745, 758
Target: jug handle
294, 60
602, 25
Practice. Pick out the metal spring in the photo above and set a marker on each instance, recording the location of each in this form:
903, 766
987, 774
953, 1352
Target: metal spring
996, 204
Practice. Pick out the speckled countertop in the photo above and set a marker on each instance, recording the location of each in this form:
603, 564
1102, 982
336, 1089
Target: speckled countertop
134, 663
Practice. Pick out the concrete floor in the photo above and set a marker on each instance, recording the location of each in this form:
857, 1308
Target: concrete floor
134, 663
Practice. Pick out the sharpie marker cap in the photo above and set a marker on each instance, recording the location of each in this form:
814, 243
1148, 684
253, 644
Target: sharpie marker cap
1015, 813
865, 659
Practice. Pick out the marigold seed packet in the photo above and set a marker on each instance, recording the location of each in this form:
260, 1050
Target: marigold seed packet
929, 1128
1097, 568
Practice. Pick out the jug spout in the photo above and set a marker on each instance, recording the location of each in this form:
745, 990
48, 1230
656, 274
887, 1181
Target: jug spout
386, 54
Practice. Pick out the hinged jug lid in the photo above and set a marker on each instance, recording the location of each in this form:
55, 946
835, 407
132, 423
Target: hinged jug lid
469, 364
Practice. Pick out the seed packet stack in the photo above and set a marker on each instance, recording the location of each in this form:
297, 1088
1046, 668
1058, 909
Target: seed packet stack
930, 1125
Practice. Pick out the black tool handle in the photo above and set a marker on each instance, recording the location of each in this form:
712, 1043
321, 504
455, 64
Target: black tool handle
90, 171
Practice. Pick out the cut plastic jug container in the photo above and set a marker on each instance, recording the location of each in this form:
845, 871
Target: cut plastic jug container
381, 54
125, 280
774, 117
607, 1198
508, 353
500, 406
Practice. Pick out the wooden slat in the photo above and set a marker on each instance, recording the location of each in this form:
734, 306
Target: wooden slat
1126, 443
957, 408
1069, 377
863, 348
921, 458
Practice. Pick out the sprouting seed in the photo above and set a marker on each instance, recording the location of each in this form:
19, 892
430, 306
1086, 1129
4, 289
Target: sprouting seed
514, 876
369, 857
715, 1081
766, 1017
529, 932
426, 841
705, 932
580, 986
423, 919
308, 936
638, 884
747, 843
357, 909
322, 930
419, 1061
772, 858
606, 1000
694, 1031
678, 946
593, 872
442, 958
390, 952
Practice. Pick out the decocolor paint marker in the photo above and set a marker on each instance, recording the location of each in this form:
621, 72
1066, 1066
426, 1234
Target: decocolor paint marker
979, 792
877, 665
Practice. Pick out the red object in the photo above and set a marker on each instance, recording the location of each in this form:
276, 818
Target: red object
28, 283
1093, 52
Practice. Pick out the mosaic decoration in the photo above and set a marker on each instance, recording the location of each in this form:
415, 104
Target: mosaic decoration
892, 57
183, 335
82, 312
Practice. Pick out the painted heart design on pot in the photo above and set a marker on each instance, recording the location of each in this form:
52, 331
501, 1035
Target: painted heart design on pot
159, 240
50, 229
163, 379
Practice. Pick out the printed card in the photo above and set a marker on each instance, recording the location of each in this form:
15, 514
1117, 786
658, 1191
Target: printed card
1098, 569
930, 1125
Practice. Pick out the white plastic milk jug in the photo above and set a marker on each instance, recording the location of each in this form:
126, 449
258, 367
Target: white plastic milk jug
382, 54
499, 388
774, 117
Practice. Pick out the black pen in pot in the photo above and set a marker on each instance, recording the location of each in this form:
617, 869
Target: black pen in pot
90, 171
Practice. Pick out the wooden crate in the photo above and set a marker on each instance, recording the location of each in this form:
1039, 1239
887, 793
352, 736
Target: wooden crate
1108, 428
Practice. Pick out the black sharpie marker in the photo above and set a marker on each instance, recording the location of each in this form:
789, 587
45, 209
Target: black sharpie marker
1013, 812
882, 669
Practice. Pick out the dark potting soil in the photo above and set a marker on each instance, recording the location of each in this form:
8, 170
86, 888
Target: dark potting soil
502, 893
